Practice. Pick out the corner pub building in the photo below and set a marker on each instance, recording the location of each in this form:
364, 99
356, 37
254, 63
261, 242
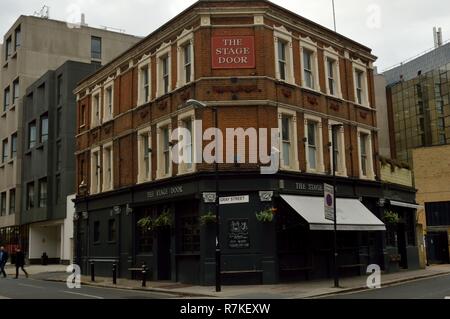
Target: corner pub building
257, 65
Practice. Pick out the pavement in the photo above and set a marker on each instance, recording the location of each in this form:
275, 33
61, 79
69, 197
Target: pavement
300, 290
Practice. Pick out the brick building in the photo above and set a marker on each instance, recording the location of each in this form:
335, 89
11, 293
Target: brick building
254, 65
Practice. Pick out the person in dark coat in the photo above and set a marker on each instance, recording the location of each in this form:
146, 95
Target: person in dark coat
20, 262
3, 260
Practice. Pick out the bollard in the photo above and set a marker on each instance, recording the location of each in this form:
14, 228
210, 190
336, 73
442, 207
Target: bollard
92, 271
144, 275
114, 274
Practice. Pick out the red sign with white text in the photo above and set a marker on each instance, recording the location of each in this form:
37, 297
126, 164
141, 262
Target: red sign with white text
233, 52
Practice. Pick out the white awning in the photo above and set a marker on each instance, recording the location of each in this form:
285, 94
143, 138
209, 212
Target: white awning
403, 204
352, 215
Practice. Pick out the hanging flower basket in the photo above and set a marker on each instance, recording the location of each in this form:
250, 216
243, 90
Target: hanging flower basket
208, 219
267, 215
149, 224
391, 218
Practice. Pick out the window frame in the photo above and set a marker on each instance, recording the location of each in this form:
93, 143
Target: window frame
108, 108
281, 33
13, 148
94, 54
311, 46
185, 168
15, 92
160, 151
293, 156
164, 52
358, 66
3, 203
12, 201
5, 151
30, 203
319, 167
369, 156
144, 176
32, 143
331, 54
6, 98
341, 169
108, 167
144, 65
43, 137
42, 196
96, 168
17, 36
185, 39
96, 117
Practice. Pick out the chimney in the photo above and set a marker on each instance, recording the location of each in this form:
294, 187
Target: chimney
437, 34
83, 20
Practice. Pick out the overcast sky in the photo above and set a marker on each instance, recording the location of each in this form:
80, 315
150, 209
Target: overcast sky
394, 29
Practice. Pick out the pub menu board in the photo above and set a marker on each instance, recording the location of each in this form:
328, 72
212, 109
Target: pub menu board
238, 237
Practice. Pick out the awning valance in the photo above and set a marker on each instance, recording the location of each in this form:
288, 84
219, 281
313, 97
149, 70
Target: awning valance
403, 204
352, 215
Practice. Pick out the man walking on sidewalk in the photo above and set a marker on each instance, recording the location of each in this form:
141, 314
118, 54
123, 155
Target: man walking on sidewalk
20, 262
3, 260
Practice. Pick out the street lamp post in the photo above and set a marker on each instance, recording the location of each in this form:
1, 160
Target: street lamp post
335, 248
198, 104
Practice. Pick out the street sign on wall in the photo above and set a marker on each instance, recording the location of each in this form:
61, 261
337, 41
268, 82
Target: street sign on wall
234, 200
329, 201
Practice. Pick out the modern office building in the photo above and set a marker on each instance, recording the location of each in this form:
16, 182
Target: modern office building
418, 102
31, 47
230, 65
432, 178
48, 164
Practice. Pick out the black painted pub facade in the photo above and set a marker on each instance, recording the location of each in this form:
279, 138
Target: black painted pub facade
253, 251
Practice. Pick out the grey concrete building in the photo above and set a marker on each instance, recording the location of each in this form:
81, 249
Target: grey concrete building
31, 47
48, 164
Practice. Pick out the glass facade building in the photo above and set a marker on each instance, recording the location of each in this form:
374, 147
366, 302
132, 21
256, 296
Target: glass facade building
420, 112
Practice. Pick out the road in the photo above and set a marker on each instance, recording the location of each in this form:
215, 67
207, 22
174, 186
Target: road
431, 288
23, 288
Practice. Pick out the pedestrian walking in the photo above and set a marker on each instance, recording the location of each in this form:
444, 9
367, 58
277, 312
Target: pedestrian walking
20, 262
3, 260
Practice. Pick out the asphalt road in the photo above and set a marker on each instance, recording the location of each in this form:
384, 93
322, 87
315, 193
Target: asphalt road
23, 288
431, 288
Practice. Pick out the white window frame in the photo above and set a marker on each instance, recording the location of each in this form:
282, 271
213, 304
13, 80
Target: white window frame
107, 116
310, 45
358, 65
96, 170
160, 174
330, 53
341, 169
370, 165
144, 63
164, 50
183, 168
96, 120
142, 176
186, 38
105, 161
286, 36
293, 160
320, 167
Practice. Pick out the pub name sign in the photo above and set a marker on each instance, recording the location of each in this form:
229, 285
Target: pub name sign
233, 52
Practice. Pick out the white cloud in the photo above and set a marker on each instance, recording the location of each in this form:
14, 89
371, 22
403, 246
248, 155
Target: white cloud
405, 27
